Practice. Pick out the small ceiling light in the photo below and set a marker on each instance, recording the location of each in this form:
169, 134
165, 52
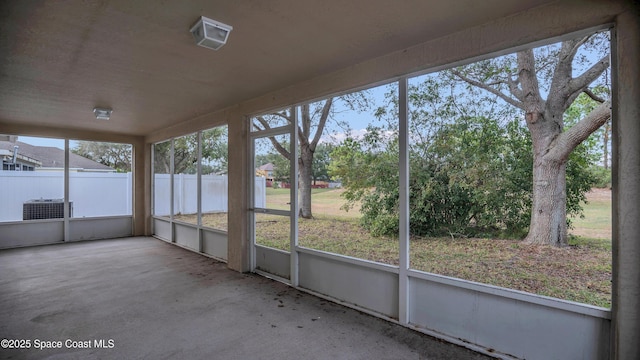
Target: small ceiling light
210, 33
102, 114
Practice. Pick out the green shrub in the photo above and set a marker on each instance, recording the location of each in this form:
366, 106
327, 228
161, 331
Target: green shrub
472, 178
602, 177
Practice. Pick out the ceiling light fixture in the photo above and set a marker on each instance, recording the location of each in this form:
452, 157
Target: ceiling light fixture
102, 113
210, 33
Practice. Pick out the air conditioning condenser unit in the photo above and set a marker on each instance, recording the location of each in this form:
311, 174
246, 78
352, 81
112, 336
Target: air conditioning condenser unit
45, 209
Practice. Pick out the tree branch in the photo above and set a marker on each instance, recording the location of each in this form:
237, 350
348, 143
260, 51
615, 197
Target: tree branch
566, 142
570, 48
532, 102
302, 139
577, 45
593, 96
513, 87
527, 76
488, 88
282, 115
559, 90
284, 152
306, 121
263, 122
321, 124
577, 85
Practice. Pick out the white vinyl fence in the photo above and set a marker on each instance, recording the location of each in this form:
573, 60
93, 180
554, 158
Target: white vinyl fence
185, 194
91, 194
109, 194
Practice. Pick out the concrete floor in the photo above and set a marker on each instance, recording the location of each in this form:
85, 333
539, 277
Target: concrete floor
146, 299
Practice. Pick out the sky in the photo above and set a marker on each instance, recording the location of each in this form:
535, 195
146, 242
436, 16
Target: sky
357, 120
39, 141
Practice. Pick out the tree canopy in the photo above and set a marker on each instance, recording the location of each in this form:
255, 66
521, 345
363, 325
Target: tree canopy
185, 155
114, 155
118, 156
474, 162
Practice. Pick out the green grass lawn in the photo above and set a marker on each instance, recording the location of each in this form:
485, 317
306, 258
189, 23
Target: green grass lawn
580, 272
324, 201
596, 223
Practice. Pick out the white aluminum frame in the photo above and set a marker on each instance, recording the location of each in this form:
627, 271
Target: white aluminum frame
292, 213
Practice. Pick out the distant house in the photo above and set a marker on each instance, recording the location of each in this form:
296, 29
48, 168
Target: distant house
18, 156
265, 171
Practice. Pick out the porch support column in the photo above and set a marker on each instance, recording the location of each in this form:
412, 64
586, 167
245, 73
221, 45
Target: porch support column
626, 188
239, 177
141, 191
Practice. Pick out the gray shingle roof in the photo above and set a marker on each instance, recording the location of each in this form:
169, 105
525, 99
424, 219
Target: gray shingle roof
53, 157
266, 167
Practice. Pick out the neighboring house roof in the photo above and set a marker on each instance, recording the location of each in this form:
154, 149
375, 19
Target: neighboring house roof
53, 157
266, 167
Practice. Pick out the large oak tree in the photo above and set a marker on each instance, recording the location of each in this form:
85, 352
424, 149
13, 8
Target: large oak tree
520, 86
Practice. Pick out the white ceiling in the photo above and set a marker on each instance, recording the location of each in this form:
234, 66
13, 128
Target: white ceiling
60, 59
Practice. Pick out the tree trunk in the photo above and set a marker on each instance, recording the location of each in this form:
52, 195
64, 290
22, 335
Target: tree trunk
550, 154
307, 149
304, 188
548, 216
551, 150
